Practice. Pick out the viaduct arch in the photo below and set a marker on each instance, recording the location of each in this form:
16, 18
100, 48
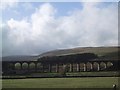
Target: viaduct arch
36, 66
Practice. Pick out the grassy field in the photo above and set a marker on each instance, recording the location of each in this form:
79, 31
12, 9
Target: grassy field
90, 82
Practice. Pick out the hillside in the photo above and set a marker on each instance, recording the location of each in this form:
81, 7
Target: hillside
100, 51
106, 52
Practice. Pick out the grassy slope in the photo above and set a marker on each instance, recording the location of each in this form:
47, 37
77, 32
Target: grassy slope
100, 51
96, 82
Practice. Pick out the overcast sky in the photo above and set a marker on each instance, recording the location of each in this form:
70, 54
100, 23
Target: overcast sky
37, 27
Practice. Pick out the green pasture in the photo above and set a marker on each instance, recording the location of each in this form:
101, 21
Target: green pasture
85, 82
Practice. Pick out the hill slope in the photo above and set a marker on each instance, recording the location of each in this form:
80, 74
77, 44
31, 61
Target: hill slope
105, 52
100, 51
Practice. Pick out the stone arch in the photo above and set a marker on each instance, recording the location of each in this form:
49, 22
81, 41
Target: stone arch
38, 65
82, 66
109, 64
46, 67
61, 67
103, 65
89, 66
67, 67
74, 67
24, 65
10, 66
96, 66
53, 67
18, 66
32, 65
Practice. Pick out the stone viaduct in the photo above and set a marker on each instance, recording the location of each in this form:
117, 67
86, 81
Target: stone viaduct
90, 65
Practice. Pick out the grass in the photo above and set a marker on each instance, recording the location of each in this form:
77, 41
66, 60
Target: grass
68, 74
90, 82
103, 73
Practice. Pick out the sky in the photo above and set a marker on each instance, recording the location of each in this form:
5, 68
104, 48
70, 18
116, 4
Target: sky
32, 28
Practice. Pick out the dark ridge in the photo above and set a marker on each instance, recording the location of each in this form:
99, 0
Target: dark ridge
19, 58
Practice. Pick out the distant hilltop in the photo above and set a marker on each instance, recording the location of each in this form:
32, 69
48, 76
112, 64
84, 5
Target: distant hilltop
100, 51
111, 52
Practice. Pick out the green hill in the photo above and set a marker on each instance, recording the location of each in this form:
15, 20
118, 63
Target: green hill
111, 52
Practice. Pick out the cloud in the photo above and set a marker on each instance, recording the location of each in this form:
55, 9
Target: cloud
90, 26
7, 4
